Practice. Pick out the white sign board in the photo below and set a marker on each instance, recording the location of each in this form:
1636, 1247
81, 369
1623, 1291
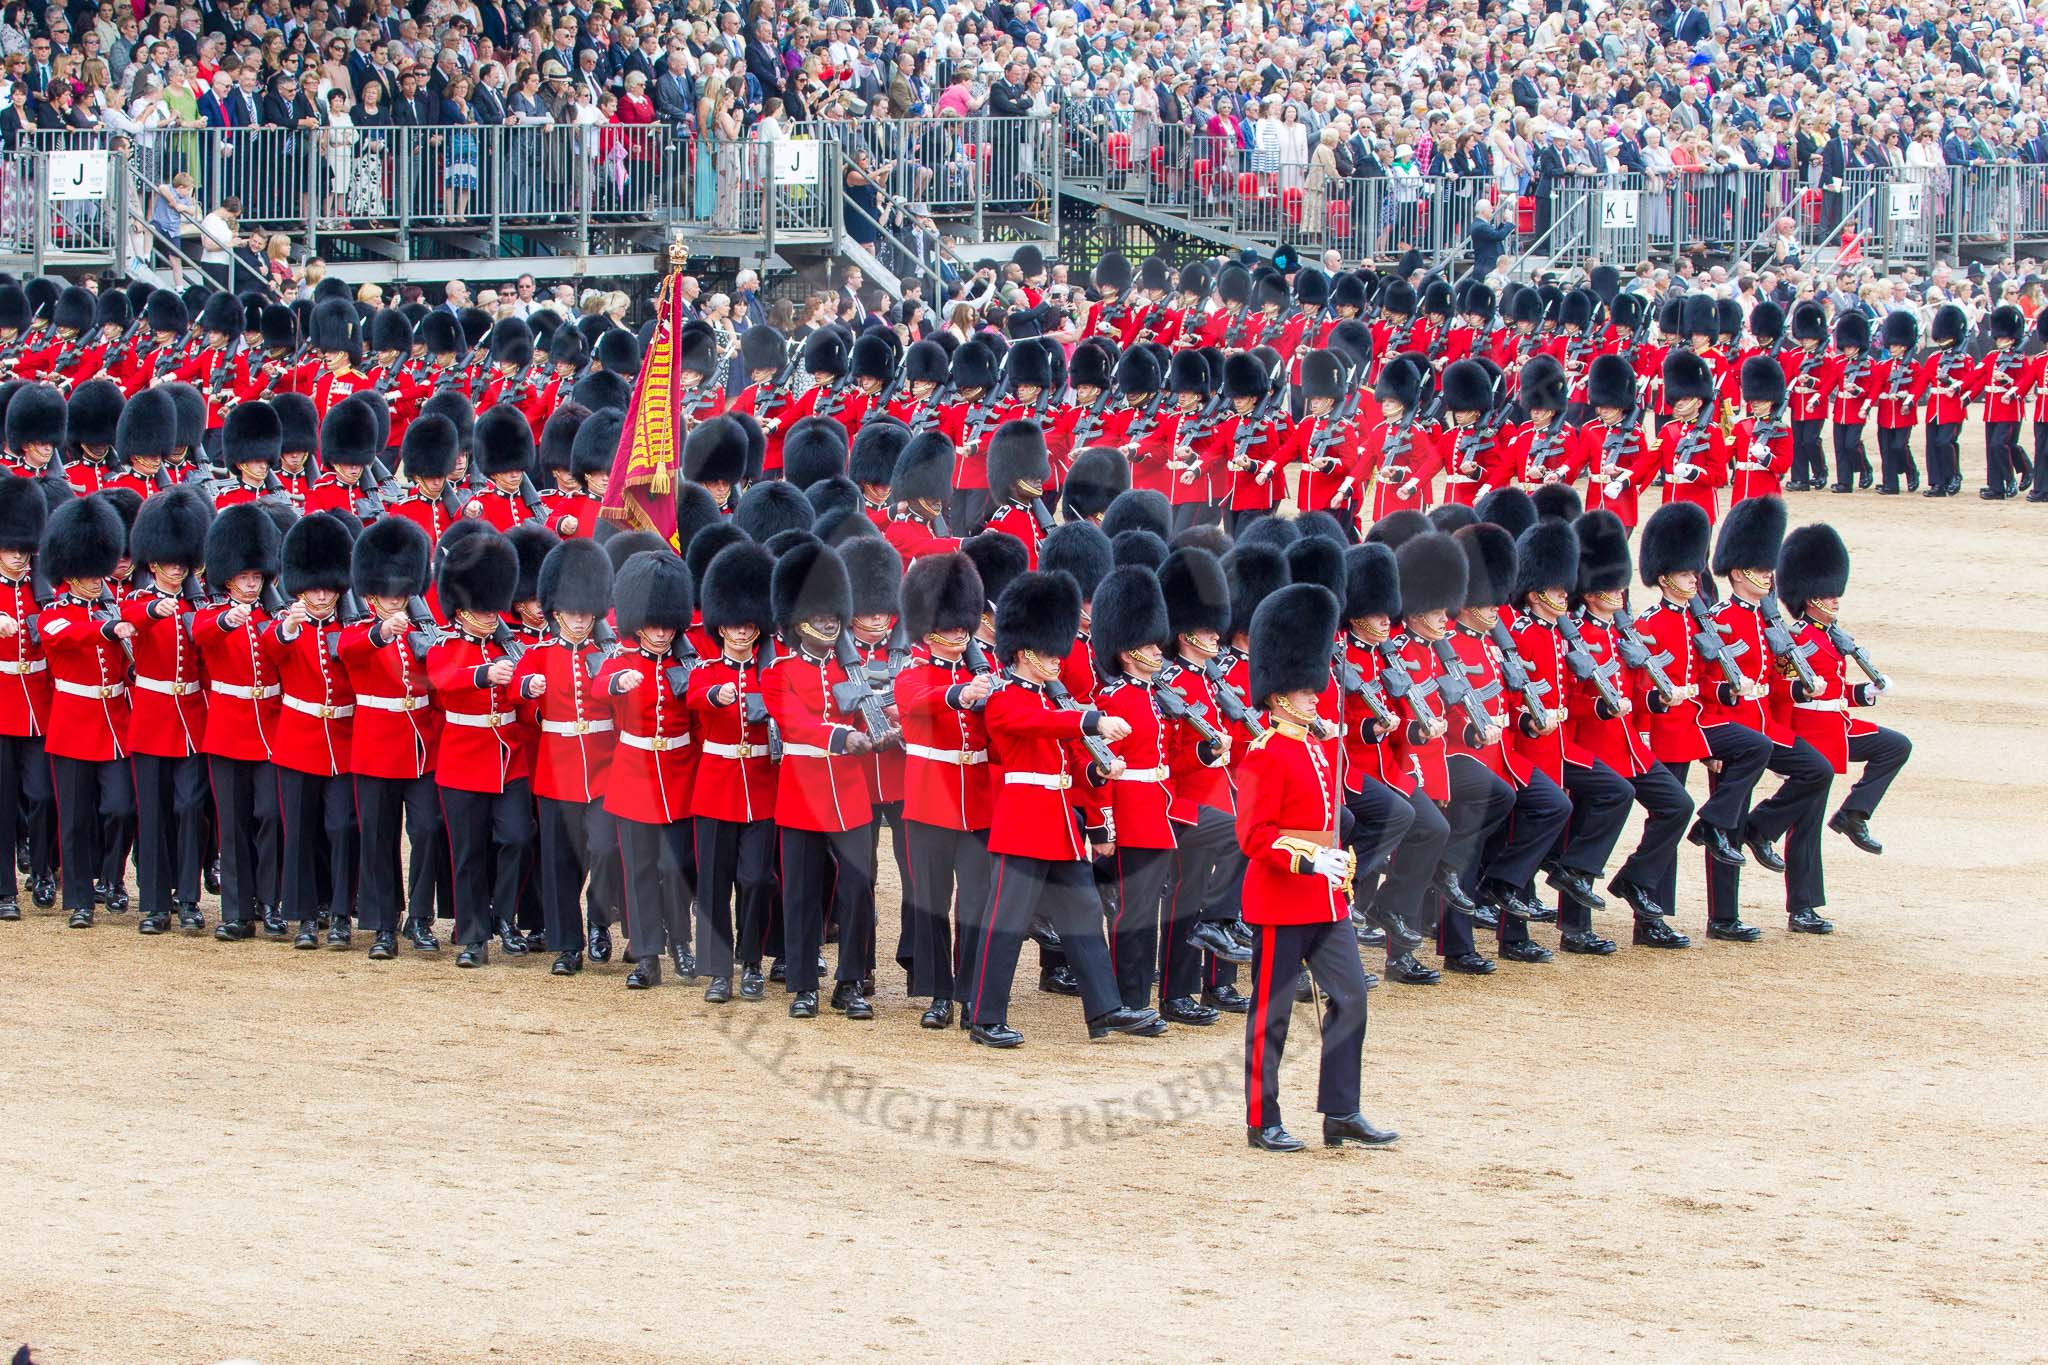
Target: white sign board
1618, 210
796, 163
78, 175
1908, 202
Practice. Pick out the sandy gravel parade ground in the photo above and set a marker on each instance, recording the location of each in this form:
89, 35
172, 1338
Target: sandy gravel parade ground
1803, 1149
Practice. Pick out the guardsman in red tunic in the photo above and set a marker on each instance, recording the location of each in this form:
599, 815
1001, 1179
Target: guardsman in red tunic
1092, 418
2002, 380
1297, 882
1477, 443
1691, 451
312, 749
1608, 700
1324, 439
299, 432
732, 801
821, 797
565, 457
92, 420
647, 789
165, 321
348, 443
1761, 445
1017, 470
873, 650
764, 355
167, 723
1807, 367
242, 710
2037, 475
95, 325
271, 366
393, 741
206, 368
1945, 377
967, 422
940, 695
1614, 448
1543, 449
429, 459
509, 378
1574, 346
1399, 328
24, 696
1898, 396
1040, 845
1813, 573
250, 443
1152, 439
1746, 554
1261, 439
483, 764
1111, 316
1399, 455
1196, 437
871, 463
1129, 634
1201, 330
88, 734
37, 418
922, 486
503, 446
1172, 326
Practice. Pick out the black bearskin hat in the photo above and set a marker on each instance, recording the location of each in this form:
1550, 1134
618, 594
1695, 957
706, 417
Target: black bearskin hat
1508, 508
1627, 310
1080, 550
1292, 632
1129, 613
876, 447
252, 433
762, 348
148, 426
703, 547
242, 539
1039, 612
389, 331
1546, 556
1686, 376
1467, 387
457, 409
1812, 563
1312, 559
170, 528
316, 555
768, 509
1196, 592
1095, 480
924, 469
1526, 307
1189, 373
94, 413
1697, 316
874, 356
1611, 383
1604, 281
1489, 564
695, 511
1558, 501
926, 362
221, 315
1321, 526
335, 329
1810, 322
1728, 318
1092, 366
392, 558
618, 352
1017, 455
74, 309
942, 593
1254, 572
652, 591
532, 542
809, 581
23, 514
164, 312
1311, 287
1000, 559
695, 352
1322, 375
478, 574
1576, 310
715, 452
1751, 535
1763, 380
874, 572
1852, 332
1399, 299
597, 441
429, 448
1372, 582
1675, 539
974, 365
1950, 325
36, 413
1141, 548
1603, 553
733, 588
622, 546
113, 308
602, 389
825, 352
347, 437
438, 333
1397, 528
1901, 329
1452, 517
1113, 271
1139, 371
1243, 376
1348, 291
1234, 284
1543, 386
558, 437
2006, 322
575, 577
83, 538
814, 449
1766, 321
1433, 569
503, 442
1030, 366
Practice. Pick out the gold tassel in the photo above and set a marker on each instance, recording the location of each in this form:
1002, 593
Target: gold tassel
661, 483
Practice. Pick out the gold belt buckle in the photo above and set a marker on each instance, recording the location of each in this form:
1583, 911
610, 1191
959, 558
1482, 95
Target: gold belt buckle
327, 713
105, 692
746, 749
1065, 782
660, 745
582, 727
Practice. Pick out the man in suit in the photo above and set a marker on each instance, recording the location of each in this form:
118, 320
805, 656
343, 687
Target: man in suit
747, 308
1527, 95
764, 63
1835, 160
286, 106
1008, 99
1691, 25
39, 66
1488, 237
413, 109
675, 94
849, 288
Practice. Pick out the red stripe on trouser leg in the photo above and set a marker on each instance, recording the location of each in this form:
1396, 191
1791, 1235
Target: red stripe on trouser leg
1262, 1000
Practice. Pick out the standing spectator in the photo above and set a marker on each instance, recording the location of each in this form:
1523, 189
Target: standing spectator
338, 156
218, 240
460, 150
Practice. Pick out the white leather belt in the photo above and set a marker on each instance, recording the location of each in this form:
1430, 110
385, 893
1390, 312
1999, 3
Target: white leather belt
735, 751
575, 727
1058, 782
317, 710
245, 693
1834, 704
478, 721
1157, 774
806, 751
165, 686
393, 703
19, 667
654, 744
72, 689
960, 758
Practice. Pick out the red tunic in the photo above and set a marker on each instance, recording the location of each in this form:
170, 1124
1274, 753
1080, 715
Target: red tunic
396, 728
1287, 786
88, 682
1697, 446
1199, 777
1741, 629
1616, 741
1039, 772
1824, 720
1617, 469
241, 706
650, 776
735, 774
167, 701
315, 721
820, 787
24, 669
945, 747
1140, 796
483, 747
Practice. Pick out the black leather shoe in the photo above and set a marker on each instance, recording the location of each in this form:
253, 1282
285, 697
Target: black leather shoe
1934, 491
1471, 964
1888, 492
273, 922
1453, 892
116, 898
778, 970
753, 986
1865, 479
155, 922
1840, 488
43, 891
1137, 1023
82, 919
99, 893
1042, 932
1509, 900
996, 1035
1525, 950
1716, 842
1733, 931
1375, 939
1483, 916
1655, 933
1214, 938
939, 1016
234, 933
1589, 944
474, 955
1405, 969
1241, 931
646, 974
340, 933
1304, 990
1993, 494
1808, 922
1578, 886
599, 944
848, 1000
536, 940
1339, 1129
1059, 981
1767, 857
10, 910
2038, 495
190, 920
1227, 998
512, 940
805, 1006
1912, 480
1185, 1009
420, 935
568, 962
1856, 829
1638, 900
384, 947
1400, 938
686, 963
1272, 1138
209, 877
719, 992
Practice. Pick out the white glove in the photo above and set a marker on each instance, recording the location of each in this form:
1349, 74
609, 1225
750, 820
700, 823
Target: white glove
1685, 473
1331, 865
